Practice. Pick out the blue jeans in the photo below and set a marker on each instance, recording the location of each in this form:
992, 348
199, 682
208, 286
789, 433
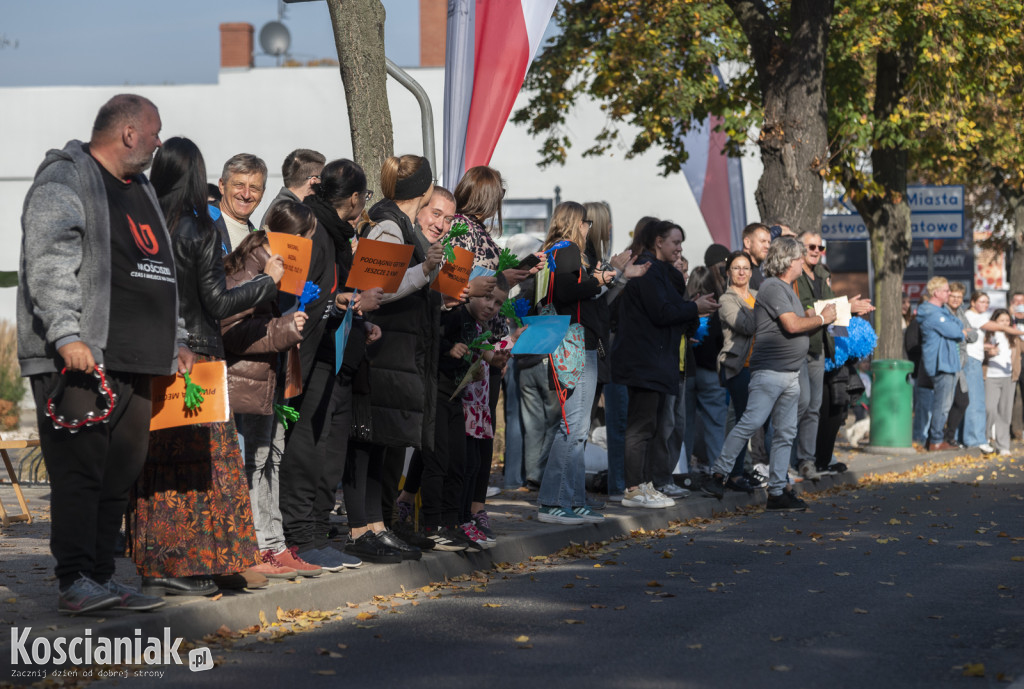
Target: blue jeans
922, 412
775, 394
513, 429
538, 412
564, 483
942, 385
974, 418
812, 382
705, 396
739, 392
616, 404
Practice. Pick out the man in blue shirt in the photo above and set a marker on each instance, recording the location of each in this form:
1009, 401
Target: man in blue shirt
941, 332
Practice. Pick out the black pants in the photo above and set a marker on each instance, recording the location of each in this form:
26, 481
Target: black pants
476, 478
391, 475
303, 465
642, 416
362, 483
444, 466
91, 471
830, 420
956, 414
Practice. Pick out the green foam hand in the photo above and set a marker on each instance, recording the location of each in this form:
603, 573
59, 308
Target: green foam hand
459, 229
506, 260
286, 415
193, 393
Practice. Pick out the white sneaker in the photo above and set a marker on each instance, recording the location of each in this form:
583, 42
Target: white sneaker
673, 491
808, 472
655, 498
635, 497
986, 448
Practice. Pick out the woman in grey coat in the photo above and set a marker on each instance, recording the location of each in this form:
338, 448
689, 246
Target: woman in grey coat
737, 315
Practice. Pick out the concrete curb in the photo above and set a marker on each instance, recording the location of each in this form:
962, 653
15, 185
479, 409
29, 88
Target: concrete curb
193, 618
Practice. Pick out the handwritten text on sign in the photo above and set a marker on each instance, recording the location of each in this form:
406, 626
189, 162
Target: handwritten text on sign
295, 251
454, 277
379, 264
168, 394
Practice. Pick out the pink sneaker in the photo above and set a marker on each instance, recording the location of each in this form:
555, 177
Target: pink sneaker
289, 557
271, 568
476, 535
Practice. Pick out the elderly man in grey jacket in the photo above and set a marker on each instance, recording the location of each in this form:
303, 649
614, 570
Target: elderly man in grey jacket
97, 318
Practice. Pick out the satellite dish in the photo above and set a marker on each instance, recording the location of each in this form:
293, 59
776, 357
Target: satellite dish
275, 39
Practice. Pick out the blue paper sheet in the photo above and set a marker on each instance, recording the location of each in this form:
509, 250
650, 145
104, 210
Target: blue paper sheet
341, 338
480, 270
543, 334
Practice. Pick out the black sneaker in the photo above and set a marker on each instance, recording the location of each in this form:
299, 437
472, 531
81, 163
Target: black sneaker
369, 548
787, 502
839, 467
408, 552
714, 486
444, 540
406, 532
459, 536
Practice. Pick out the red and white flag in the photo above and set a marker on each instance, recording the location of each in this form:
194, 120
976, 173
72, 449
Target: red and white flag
489, 47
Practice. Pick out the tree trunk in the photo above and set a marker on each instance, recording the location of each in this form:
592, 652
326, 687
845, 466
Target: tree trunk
1015, 199
887, 216
359, 37
794, 136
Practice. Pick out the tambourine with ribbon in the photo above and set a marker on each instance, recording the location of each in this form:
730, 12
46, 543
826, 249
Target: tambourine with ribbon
75, 412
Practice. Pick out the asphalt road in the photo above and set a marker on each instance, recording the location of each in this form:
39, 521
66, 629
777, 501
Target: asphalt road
905, 584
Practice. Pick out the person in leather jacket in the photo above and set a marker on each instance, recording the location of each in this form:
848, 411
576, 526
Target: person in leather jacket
189, 517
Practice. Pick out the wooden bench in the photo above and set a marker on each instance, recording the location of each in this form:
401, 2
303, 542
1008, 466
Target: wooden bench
26, 515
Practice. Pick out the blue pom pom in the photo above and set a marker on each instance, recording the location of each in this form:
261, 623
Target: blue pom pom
702, 330
521, 306
860, 342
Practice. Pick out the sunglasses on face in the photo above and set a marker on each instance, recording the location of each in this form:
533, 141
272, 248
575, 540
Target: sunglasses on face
816, 247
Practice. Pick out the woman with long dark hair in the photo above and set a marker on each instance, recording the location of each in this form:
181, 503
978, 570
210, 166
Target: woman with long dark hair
316, 446
645, 357
189, 520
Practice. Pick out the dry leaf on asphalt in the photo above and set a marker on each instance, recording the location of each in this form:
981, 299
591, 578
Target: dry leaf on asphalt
522, 639
363, 616
974, 669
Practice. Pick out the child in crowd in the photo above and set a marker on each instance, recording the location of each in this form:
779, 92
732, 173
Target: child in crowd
254, 340
1002, 368
479, 400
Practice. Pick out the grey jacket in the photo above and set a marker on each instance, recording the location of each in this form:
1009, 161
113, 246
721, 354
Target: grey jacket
285, 194
64, 271
737, 330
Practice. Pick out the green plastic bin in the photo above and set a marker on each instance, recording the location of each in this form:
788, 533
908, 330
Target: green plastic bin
892, 403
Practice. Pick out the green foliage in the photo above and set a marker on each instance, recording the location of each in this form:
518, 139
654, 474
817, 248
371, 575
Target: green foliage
649, 64
8, 278
954, 104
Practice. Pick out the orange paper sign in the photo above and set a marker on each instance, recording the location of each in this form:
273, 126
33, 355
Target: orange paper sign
379, 264
295, 251
168, 392
454, 277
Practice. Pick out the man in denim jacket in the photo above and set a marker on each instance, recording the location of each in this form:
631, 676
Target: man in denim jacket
941, 333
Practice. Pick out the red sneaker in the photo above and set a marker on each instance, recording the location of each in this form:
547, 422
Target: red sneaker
271, 568
289, 557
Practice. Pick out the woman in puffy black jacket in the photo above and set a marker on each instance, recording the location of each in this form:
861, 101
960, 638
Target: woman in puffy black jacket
190, 523
645, 356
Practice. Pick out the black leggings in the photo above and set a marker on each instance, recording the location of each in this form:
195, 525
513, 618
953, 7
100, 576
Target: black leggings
444, 466
956, 414
362, 484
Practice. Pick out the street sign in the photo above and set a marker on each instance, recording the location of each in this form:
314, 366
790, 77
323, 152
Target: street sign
936, 212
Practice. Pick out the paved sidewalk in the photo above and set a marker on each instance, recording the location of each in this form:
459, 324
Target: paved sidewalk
28, 593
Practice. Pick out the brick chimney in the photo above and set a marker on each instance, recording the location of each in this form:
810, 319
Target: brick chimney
433, 30
236, 45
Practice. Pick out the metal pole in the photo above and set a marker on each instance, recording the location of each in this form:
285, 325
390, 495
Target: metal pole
426, 114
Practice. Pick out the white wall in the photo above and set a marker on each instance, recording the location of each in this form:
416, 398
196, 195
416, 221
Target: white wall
272, 111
